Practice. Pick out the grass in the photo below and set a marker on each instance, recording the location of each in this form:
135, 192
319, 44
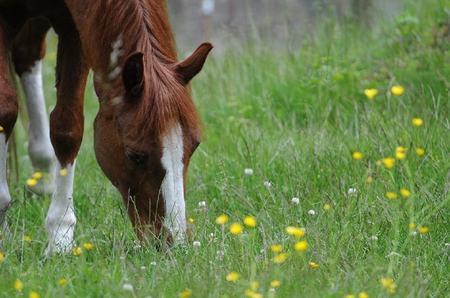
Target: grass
295, 117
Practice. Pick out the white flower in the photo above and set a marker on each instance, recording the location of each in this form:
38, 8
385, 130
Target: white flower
267, 184
414, 233
196, 243
128, 287
153, 263
295, 201
374, 238
248, 171
219, 255
352, 191
143, 268
447, 244
312, 212
202, 204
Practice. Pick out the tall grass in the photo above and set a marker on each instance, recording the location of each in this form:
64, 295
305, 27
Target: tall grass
295, 117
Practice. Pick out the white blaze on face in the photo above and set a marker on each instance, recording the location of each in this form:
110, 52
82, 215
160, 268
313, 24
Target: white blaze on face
172, 187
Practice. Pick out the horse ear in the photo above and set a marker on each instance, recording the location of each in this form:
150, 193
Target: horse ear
133, 74
188, 68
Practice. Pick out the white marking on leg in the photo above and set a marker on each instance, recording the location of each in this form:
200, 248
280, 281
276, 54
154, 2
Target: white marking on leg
5, 197
172, 187
40, 148
61, 220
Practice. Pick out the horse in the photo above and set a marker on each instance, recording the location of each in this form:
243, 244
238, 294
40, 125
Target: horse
147, 126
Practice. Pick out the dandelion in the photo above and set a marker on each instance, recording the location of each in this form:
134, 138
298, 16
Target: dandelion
18, 285
252, 294
33, 294
369, 179
295, 201
63, 172
363, 295
32, 182
301, 245
313, 265
374, 238
186, 293
250, 221
275, 283
77, 251
397, 90
370, 93
389, 284
294, 231
36, 175
222, 219
417, 122
405, 193
1, 128
128, 287
27, 238
312, 212
357, 155
191, 220
2, 256
62, 281
352, 192
401, 149
202, 204
350, 296
267, 184
255, 285
412, 225
278, 259
153, 263
420, 151
326, 207
88, 245
400, 155
388, 162
196, 244
391, 195
232, 276
236, 228
248, 171
276, 248
424, 230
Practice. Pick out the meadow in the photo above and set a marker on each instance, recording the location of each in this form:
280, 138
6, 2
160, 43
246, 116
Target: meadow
323, 172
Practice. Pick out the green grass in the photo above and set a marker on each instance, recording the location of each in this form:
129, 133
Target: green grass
294, 116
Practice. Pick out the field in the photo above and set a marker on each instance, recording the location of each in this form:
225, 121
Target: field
340, 190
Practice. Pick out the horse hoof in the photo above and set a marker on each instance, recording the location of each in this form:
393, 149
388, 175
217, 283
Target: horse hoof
40, 184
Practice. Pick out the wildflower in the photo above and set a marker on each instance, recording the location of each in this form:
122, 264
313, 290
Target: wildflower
77, 251
301, 245
191, 220
352, 191
88, 245
350, 296
267, 184
401, 149
222, 219
388, 162
274, 283
313, 265
250, 221
417, 122
186, 293
153, 263
255, 285
219, 255
357, 155
400, 155
276, 248
248, 171
236, 228
405, 193
326, 207
62, 281
370, 93
379, 163
36, 175
18, 285
27, 238
412, 225
389, 284
295, 201
32, 182
312, 212
397, 90
196, 243
63, 172
294, 231
420, 151
232, 276
280, 258
1, 128
369, 179
2, 256
128, 287
363, 295
252, 294
374, 238
391, 195
424, 230
33, 294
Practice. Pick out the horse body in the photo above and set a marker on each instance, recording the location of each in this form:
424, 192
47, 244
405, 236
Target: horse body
147, 126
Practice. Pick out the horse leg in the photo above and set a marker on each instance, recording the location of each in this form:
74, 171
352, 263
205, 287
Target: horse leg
28, 49
66, 133
8, 117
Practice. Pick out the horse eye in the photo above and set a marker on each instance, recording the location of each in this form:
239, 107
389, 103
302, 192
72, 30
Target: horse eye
138, 159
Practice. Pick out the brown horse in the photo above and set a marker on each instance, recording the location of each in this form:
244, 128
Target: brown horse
146, 129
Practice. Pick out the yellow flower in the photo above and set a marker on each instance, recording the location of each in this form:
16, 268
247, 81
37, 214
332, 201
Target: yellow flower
252, 294
388, 162
379, 163
369, 179
88, 245
77, 251
357, 155
397, 90
280, 258
424, 230
191, 220
18, 285
400, 155
36, 175
313, 265
232, 276
62, 281
1, 128
417, 122
370, 93
350, 296
63, 172
294, 231
255, 285
420, 151
2, 256
389, 284
250, 221
391, 195
186, 293
27, 238
32, 182
326, 207
222, 219
405, 193
276, 248
412, 225
363, 295
301, 245
274, 283
34, 295
236, 228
